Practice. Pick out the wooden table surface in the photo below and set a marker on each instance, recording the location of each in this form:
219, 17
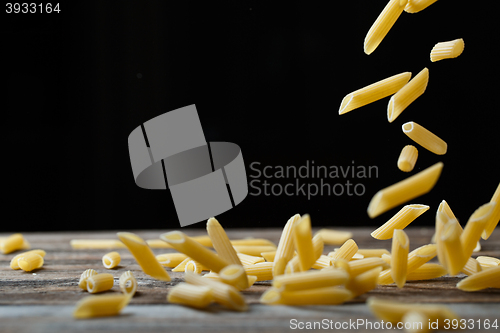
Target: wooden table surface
43, 301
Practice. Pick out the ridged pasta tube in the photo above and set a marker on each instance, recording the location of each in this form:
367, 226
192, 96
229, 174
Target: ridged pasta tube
190, 295
425, 138
12, 243
346, 251
401, 220
111, 260
311, 280
475, 227
488, 278
399, 257
85, 275
334, 237
303, 243
13, 262
100, 306
99, 283
407, 158
317, 296
128, 283
30, 261
284, 252
415, 6
447, 50
407, 95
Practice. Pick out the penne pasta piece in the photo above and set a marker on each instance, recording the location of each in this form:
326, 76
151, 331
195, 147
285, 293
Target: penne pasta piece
373, 92
191, 295
128, 283
416, 322
495, 215
214, 276
471, 267
414, 6
478, 247
30, 261
317, 296
100, 282
447, 50
85, 275
182, 265
250, 260
310, 280
399, 257
426, 272
293, 266
194, 250
487, 262
285, 249
193, 266
253, 242
404, 190
446, 209
318, 246
382, 25
322, 262
360, 266
334, 237
12, 243
407, 158
346, 251
386, 258
394, 312
111, 260
401, 220
450, 237
303, 243
83, 244
488, 278
372, 253
13, 262
171, 259
263, 271
364, 282
269, 256
425, 138
160, 244
226, 251
100, 306
253, 250
144, 256
223, 294
441, 220
475, 227
407, 95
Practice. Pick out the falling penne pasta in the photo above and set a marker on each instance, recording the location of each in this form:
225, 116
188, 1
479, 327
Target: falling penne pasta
13, 262
382, 25
407, 95
128, 283
334, 237
346, 251
358, 267
99, 282
268, 256
450, 236
263, 271
303, 243
310, 280
475, 227
144, 256
252, 250
364, 282
111, 260
317, 296
191, 295
99, 306
250, 260
441, 220
373, 92
171, 259
447, 50
30, 261
12, 243
495, 215
85, 275
414, 6
404, 190
488, 278
425, 138
426, 272
472, 267
487, 262
407, 158
285, 249
193, 266
322, 262
401, 220
293, 266
370, 253
234, 275
399, 257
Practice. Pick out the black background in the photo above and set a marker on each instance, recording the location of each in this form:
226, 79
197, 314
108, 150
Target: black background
266, 75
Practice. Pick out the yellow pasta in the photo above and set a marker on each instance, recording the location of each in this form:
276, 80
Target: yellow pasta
447, 50
401, 220
144, 256
360, 266
322, 262
234, 275
293, 266
83, 244
373, 92
111, 260
12, 243
171, 259
254, 250
370, 253
193, 266
269, 256
399, 257
474, 227
317, 296
416, 322
394, 312
382, 25
488, 278
407, 158
364, 282
450, 236
85, 275
100, 306
285, 249
13, 262
441, 220
407, 95
30, 261
386, 258
310, 280
194, 250
99, 283
487, 262
303, 243
427, 272
253, 242
214, 276
445, 208
128, 283
471, 267
425, 138
404, 190
263, 271
223, 294
495, 215
250, 260
414, 6
346, 251
191, 295
334, 237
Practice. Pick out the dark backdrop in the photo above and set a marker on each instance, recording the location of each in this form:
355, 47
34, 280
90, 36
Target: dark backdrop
267, 75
